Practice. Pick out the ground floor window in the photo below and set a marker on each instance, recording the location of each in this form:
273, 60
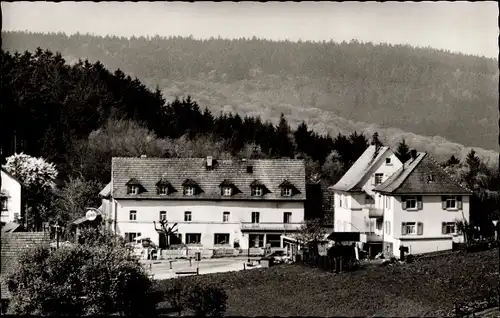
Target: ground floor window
130, 237
256, 240
409, 228
221, 238
193, 238
274, 240
449, 228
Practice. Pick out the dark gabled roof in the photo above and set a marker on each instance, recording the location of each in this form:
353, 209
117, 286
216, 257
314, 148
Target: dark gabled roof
226, 183
270, 172
286, 184
257, 183
353, 179
189, 182
163, 182
13, 244
133, 181
413, 178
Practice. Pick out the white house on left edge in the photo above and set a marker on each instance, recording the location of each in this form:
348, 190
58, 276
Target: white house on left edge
10, 197
215, 202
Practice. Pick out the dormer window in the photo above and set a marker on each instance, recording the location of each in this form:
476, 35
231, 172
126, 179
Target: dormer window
287, 189
162, 190
163, 187
133, 187
430, 178
227, 191
190, 187
257, 191
286, 192
227, 188
189, 190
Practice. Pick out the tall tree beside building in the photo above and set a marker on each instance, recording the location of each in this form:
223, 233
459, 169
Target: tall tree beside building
403, 151
283, 142
375, 140
38, 178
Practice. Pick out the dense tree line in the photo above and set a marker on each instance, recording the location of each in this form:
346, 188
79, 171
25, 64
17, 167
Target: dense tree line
79, 116
434, 92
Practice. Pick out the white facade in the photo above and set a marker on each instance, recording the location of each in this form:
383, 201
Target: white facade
431, 216
352, 209
10, 198
207, 218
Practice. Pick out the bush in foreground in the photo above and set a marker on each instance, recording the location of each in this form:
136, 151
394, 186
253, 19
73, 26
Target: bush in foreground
85, 279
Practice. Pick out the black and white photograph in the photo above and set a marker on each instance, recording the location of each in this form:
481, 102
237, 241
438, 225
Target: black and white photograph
288, 159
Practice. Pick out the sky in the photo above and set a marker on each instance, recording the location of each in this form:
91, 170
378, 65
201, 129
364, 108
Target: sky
467, 27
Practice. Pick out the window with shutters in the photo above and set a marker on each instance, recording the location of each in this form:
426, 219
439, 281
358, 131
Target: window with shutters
411, 203
378, 178
451, 203
387, 202
409, 228
449, 228
340, 200
412, 228
388, 227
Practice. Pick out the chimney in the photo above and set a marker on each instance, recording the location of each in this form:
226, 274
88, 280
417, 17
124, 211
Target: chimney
413, 153
209, 161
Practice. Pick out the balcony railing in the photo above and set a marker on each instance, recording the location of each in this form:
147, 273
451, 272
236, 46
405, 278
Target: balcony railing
270, 226
371, 237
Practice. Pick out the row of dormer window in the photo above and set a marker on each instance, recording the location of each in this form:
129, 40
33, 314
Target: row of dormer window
227, 189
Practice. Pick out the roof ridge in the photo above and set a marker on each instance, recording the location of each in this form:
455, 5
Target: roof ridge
425, 154
449, 174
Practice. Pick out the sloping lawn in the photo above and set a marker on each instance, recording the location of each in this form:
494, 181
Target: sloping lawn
425, 288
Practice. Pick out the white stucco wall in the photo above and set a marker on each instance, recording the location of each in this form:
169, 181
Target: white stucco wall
13, 190
381, 167
351, 217
432, 216
207, 217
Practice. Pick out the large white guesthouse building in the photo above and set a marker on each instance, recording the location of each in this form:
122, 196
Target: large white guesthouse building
215, 202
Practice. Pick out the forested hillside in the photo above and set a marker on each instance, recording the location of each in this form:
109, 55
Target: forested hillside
336, 87
79, 116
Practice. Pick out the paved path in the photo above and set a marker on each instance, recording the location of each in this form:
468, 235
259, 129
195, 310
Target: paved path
161, 268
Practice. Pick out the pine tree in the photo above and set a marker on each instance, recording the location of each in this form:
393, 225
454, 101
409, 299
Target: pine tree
284, 145
375, 140
452, 161
403, 151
